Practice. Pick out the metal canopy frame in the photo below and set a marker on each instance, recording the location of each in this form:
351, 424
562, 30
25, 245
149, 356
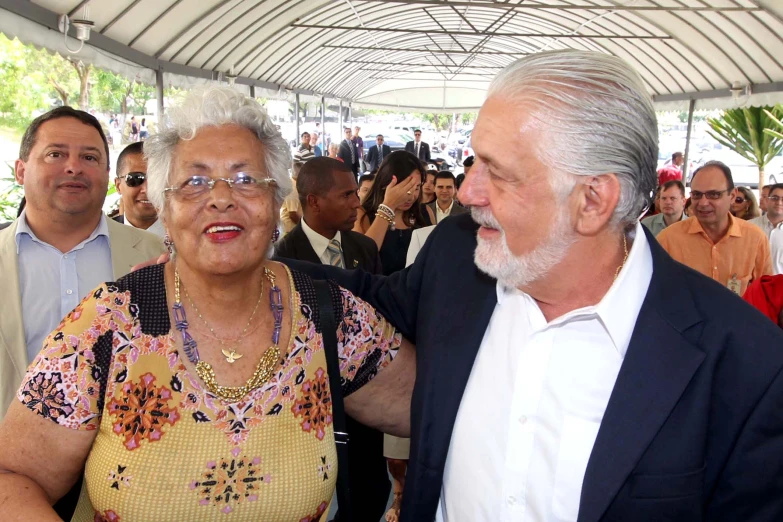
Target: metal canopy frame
366, 51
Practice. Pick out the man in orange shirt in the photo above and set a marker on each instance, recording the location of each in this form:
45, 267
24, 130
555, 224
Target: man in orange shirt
731, 251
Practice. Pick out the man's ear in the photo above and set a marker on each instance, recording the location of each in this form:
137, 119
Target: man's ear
598, 197
19, 170
118, 184
312, 202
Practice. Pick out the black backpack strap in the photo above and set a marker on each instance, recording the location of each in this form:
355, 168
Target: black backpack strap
329, 333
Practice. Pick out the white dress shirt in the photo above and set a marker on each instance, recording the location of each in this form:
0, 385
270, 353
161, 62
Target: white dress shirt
775, 235
156, 228
442, 214
52, 283
320, 243
534, 402
776, 249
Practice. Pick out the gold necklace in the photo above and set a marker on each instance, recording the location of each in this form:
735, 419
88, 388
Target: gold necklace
231, 355
265, 367
625, 248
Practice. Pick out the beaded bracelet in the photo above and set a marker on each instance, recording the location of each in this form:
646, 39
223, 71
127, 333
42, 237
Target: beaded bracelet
385, 218
386, 210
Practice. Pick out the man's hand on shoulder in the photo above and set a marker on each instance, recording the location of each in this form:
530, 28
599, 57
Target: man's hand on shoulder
160, 260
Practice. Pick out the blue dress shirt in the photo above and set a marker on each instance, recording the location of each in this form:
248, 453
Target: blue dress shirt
52, 283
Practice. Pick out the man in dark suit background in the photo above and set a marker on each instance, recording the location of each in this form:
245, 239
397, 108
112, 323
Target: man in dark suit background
376, 153
349, 153
328, 195
589, 377
418, 148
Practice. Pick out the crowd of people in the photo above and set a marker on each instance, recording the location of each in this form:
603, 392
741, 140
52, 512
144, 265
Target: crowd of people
514, 343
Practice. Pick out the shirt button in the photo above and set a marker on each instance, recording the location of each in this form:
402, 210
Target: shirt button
69, 291
65, 256
523, 419
511, 501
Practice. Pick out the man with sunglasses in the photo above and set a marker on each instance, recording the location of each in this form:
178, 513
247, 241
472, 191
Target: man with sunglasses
131, 183
729, 250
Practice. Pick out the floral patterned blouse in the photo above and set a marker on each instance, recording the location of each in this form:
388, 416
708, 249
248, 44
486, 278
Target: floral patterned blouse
168, 450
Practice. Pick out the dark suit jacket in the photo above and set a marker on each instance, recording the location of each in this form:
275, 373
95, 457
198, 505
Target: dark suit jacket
345, 154
456, 209
424, 150
369, 481
119, 218
5, 225
372, 158
694, 427
359, 251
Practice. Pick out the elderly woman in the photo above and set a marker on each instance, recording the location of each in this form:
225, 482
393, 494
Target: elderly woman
195, 389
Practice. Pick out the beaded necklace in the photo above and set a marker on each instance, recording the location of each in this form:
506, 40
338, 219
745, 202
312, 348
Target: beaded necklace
264, 368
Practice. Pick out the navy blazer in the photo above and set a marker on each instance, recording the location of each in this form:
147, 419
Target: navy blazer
694, 426
424, 150
372, 158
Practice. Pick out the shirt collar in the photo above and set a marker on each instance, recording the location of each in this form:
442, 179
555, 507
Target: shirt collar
317, 241
619, 308
23, 228
447, 211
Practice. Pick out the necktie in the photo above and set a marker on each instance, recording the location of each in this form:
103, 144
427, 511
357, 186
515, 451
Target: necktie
417, 150
350, 147
380, 154
335, 254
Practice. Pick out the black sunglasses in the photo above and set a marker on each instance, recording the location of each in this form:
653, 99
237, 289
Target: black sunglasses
134, 179
738, 200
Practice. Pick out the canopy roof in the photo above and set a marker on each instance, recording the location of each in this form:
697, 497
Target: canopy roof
426, 55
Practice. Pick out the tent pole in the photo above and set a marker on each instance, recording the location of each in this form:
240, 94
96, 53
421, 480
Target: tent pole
691, 108
253, 91
341, 116
324, 150
296, 117
159, 94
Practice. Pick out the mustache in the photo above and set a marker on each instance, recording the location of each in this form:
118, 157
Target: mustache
485, 218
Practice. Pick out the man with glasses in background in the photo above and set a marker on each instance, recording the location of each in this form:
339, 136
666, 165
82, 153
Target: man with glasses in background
731, 251
131, 183
772, 224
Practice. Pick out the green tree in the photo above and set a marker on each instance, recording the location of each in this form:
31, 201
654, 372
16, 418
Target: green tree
777, 122
110, 92
743, 131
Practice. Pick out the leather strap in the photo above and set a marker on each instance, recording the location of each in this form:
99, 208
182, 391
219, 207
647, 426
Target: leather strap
329, 333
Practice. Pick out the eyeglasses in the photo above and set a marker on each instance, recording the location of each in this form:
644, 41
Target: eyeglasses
739, 200
775, 199
245, 184
134, 179
711, 194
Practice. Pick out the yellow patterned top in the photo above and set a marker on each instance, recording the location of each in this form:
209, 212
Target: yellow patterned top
168, 450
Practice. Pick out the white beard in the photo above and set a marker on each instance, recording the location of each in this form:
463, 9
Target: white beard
494, 258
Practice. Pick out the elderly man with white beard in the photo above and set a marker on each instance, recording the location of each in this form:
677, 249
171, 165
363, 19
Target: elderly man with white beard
576, 372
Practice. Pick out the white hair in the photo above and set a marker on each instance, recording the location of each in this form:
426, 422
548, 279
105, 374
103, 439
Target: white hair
600, 120
214, 106
494, 257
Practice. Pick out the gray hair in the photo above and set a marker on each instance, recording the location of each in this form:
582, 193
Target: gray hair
211, 107
600, 119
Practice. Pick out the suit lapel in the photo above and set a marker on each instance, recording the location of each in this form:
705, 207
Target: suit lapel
658, 366
351, 254
122, 251
12, 339
452, 361
304, 250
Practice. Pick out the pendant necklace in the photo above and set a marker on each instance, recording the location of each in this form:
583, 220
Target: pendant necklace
264, 368
231, 355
